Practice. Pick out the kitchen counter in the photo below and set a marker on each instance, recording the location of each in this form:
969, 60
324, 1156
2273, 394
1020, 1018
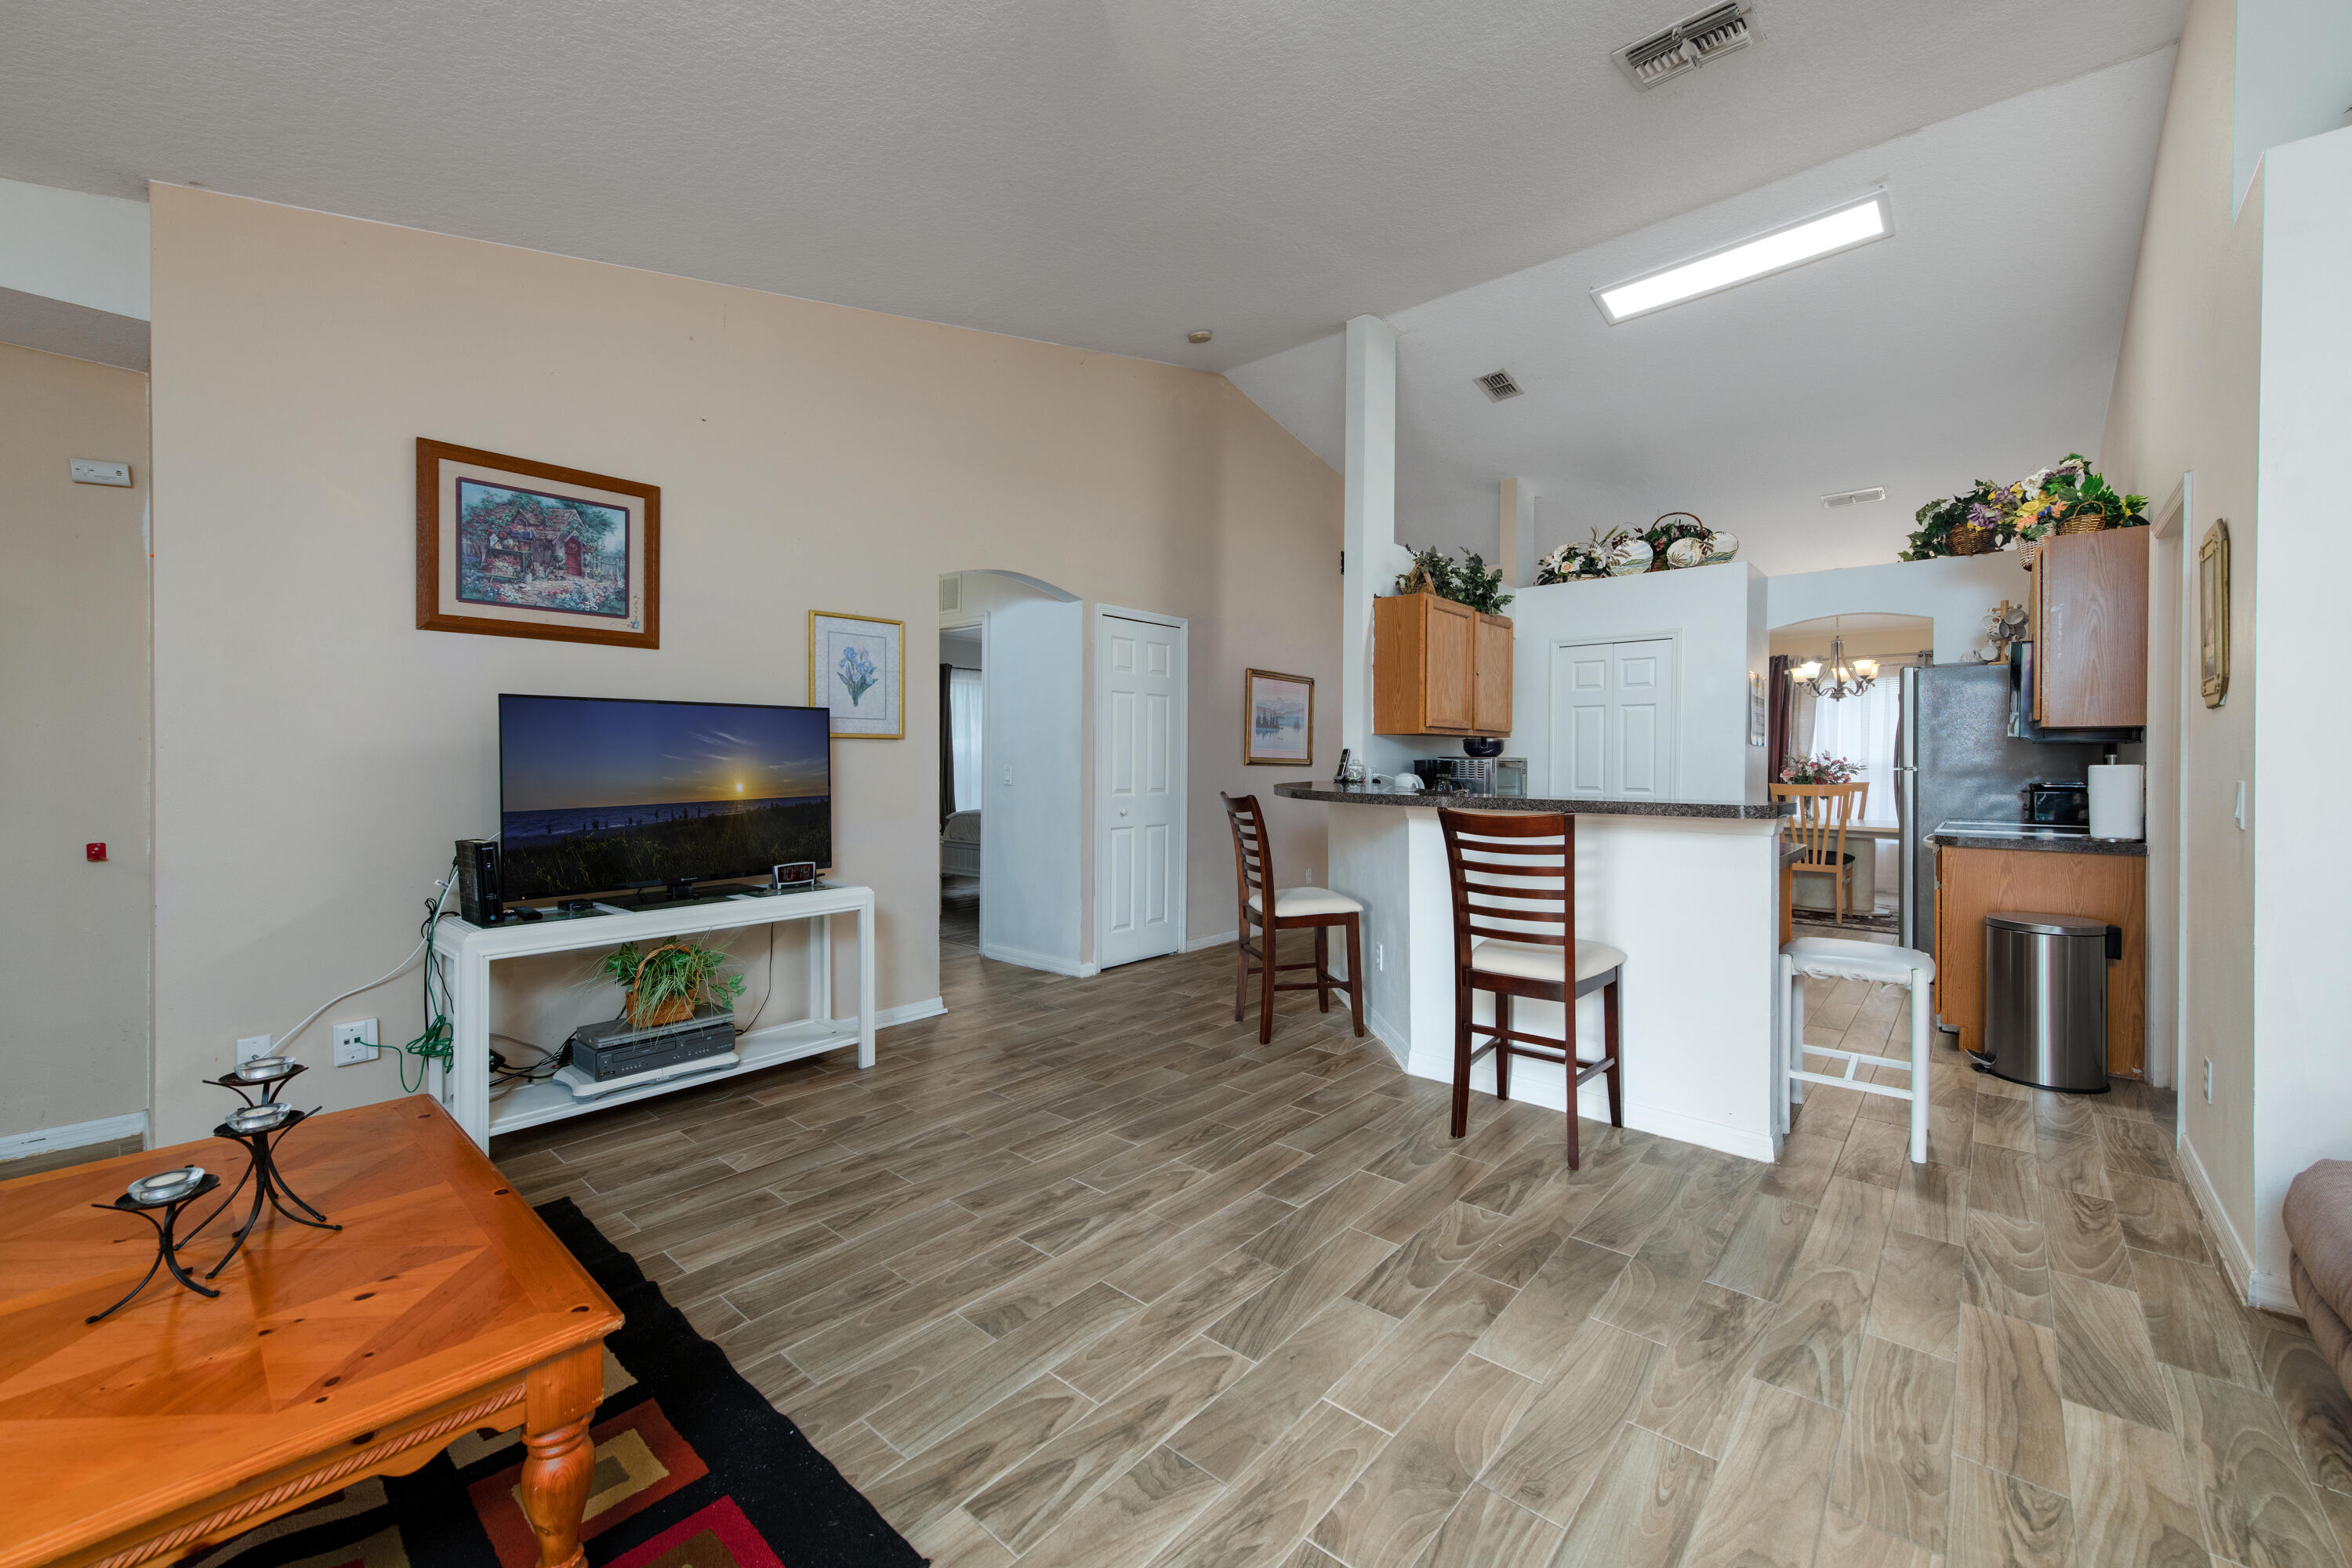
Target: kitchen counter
1578, 807
2031, 835
1690, 891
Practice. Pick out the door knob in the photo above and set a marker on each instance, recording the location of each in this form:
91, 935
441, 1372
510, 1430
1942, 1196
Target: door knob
1122, 811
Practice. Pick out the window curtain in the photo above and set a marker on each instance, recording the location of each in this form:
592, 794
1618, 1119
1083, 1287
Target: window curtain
1860, 729
947, 744
1776, 709
963, 711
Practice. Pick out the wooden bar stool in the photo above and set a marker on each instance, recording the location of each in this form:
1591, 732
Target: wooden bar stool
1295, 908
1514, 930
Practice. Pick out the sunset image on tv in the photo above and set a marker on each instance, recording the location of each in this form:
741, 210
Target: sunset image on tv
598, 794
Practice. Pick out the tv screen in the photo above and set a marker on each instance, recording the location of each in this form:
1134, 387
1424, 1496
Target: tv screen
597, 794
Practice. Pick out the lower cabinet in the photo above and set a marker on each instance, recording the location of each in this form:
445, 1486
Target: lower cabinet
1973, 883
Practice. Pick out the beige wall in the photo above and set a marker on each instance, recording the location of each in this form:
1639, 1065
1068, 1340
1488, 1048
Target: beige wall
73, 745
2186, 399
315, 754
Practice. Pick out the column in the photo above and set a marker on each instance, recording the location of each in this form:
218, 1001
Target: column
1368, 475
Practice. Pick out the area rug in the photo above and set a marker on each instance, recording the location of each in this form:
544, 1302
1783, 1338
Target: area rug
1812, 922
693, 1470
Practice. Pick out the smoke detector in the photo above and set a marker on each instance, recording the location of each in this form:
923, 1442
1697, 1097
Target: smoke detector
1497, 385
1686, 46
1855, 498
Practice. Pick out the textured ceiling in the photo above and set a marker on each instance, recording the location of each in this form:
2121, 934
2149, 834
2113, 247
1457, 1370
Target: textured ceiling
1979, 340
1102, 172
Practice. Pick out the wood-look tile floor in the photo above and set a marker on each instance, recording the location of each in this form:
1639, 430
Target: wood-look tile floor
1082, 1274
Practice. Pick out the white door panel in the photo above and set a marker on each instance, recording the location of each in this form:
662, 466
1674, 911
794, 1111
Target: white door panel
1612, 722
1140, 802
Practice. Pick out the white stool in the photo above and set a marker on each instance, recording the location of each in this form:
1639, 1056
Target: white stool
1836, 958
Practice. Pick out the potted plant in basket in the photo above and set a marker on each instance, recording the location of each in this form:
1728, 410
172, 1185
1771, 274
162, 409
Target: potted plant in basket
1471, 582
667, 984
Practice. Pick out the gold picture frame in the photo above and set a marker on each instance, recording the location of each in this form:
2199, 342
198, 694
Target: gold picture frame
1278, 720
2213, 612
852, 659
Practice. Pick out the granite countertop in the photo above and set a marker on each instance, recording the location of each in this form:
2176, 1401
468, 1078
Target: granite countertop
1577, 807
2030, 836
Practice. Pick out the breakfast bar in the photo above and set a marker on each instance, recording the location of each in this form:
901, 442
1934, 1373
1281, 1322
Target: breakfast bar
1689, 891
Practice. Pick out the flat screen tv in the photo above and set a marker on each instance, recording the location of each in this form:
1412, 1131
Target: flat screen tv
600, 794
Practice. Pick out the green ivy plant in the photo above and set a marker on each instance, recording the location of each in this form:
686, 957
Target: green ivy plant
1471, 582
684, 971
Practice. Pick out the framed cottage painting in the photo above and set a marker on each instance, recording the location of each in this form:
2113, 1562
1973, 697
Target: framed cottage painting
1278, 720
507, 547
856, 668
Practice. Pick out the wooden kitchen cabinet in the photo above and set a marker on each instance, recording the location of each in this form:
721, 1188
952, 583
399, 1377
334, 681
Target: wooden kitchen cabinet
1439, 669
2089, 621
1973, 883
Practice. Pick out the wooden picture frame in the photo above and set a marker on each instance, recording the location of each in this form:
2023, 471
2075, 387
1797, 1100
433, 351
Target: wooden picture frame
2213, 612
508, 547
858, 660
1278, 720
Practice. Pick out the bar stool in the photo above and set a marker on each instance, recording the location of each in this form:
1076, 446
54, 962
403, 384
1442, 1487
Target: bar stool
1514, 929
1295, 908
1840, 958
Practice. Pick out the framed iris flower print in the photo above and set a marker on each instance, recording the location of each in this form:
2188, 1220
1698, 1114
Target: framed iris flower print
856, 669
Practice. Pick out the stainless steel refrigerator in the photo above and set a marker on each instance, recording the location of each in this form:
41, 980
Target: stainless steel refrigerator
1956, 760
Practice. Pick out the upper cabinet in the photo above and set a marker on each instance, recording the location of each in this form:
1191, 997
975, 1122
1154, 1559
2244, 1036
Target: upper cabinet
1439, 669
2090, 618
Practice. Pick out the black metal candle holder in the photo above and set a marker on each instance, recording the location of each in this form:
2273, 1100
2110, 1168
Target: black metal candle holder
169, 1201
253, 1128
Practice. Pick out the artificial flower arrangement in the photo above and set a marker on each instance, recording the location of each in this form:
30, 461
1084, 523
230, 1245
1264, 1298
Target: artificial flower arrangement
1472, 582
1674, 540
2065, 497
1823, 769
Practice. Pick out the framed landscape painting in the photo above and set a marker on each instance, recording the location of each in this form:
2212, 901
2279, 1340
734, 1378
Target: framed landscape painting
1278, 720
856, 668
507, 547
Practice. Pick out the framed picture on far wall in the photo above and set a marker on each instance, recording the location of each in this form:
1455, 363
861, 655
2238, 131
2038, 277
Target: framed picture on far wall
1278, 720
857, 669
508, 547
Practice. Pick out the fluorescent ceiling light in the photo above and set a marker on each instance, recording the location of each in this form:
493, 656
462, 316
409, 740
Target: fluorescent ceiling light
1848, 226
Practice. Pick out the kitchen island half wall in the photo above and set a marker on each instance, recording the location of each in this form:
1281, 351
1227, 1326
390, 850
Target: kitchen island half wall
1691, 893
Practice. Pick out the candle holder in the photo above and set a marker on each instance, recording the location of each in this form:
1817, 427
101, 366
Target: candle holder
259, 1126
166, 1192
270, 1075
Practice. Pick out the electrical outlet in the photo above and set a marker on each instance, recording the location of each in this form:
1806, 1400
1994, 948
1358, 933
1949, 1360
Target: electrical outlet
2208, 1080
250, 1047
355, 1043
1381, 957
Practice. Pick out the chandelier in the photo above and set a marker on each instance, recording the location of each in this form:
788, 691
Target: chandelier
1841, 677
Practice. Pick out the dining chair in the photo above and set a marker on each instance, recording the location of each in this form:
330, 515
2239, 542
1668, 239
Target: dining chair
1823, 813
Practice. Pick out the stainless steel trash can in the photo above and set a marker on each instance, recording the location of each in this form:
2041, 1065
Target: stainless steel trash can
2046, 1000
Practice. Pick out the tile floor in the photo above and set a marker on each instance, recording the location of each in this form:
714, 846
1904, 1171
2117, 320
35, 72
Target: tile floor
1082, 1274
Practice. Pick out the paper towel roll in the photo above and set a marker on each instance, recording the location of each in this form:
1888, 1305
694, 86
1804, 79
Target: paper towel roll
2118, 801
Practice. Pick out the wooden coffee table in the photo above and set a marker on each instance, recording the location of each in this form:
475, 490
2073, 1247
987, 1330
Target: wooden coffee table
443, 1306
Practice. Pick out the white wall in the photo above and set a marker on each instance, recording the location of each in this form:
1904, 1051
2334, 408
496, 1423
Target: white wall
2186, 399
2294, 77
74, 740
1712, 614
2303, 1085
1955, 592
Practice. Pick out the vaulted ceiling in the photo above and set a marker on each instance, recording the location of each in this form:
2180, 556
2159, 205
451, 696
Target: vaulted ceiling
1109, 174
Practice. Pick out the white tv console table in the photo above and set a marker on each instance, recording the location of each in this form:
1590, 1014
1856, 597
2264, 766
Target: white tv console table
466, 952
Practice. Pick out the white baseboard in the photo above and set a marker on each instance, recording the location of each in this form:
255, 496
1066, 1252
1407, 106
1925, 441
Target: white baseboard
1695, 1130
904, 1013
75, 1135
2237, 1257
1388, 1035
1215, 939
1051, 963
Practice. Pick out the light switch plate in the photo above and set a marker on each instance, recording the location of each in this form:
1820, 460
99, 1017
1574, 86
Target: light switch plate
355, 1043
98, 471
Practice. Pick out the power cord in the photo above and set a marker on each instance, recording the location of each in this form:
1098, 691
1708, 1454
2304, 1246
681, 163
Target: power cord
743, 1029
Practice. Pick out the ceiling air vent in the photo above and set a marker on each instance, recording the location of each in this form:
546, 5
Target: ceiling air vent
1497, 385
1686, 46
1855, 498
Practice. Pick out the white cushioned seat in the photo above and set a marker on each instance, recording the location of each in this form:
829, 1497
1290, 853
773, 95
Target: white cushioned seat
1533, 961
1842, 958
1289, 901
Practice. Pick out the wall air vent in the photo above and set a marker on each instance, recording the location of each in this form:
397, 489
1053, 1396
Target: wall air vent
1855, 498
951, 589
1686, 46
1497, 385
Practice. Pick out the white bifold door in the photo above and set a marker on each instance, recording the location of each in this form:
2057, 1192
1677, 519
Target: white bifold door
1612, 720
1140, 790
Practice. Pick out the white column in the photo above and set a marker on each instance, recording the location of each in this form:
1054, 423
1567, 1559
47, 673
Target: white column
1369, 479
1514, 534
